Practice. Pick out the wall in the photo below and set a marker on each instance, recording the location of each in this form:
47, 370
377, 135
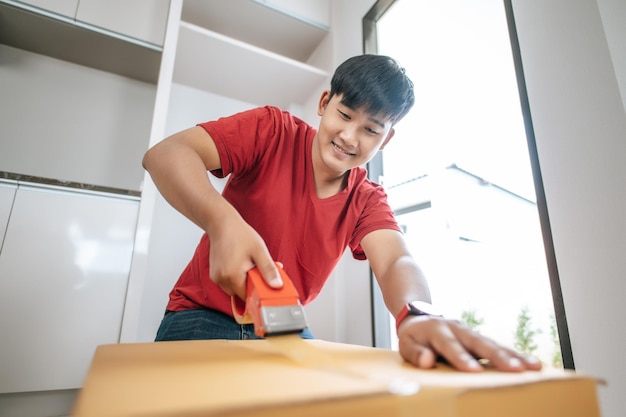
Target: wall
580, 128
613, 13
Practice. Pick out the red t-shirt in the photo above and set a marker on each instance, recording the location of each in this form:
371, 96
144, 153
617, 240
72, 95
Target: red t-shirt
267, 153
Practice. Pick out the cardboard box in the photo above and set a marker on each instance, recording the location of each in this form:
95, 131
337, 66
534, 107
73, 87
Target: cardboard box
256, 378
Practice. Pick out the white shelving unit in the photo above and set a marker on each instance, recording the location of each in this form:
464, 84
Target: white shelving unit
249, 51
218, 58
271, 25
221, 65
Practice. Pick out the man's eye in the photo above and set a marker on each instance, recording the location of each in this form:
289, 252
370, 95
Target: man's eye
344, 115
372, 131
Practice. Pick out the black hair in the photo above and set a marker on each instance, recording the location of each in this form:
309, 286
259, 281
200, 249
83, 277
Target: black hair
376, 83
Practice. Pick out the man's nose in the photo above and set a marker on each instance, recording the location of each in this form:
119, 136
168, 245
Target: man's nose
348, 134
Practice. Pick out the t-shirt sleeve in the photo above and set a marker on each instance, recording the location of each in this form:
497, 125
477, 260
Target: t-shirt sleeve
242, 139
376, 215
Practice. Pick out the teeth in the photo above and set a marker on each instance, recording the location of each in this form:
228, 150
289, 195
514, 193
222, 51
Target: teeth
341, 150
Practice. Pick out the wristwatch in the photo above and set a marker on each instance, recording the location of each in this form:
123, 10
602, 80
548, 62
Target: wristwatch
416, 308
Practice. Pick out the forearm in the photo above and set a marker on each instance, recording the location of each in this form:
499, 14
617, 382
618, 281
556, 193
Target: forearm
403, 281
400, 278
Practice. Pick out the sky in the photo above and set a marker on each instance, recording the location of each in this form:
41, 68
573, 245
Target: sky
467, 107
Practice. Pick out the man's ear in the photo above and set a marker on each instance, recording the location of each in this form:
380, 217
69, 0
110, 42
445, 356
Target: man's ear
392, 132
324, 99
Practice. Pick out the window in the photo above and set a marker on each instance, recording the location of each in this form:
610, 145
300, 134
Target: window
458, 172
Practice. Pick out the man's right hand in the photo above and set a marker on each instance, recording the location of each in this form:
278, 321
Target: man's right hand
235, 248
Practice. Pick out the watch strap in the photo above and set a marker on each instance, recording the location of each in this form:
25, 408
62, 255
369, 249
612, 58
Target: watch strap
403, 314
415, 308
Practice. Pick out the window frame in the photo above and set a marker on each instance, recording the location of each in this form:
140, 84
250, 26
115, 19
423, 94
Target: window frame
381, 326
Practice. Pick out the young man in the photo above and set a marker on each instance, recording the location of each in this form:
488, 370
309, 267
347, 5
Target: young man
298, 195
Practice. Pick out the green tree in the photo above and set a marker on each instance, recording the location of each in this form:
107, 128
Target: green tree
471, 320
557, 358
525, 334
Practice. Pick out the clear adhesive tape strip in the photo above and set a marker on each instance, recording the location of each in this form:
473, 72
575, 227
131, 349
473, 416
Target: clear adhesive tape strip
299, 351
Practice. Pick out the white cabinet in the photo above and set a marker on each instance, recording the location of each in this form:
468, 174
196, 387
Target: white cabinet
144, 20
126, 41
140, 19
96, 125
96, 122
7, 193
63, 276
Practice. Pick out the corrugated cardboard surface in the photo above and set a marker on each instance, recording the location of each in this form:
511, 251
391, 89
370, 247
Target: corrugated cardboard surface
256, 378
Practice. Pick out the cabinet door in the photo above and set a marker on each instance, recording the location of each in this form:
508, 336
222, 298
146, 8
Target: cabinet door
62, 7
63, 276
140, 19
7, 192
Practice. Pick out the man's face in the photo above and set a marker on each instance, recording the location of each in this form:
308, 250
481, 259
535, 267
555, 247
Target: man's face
347, 137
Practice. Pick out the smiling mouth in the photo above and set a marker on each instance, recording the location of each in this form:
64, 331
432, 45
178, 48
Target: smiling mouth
340, 149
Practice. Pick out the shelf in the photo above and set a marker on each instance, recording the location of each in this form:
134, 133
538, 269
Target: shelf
221, 65
258, 23
59, 37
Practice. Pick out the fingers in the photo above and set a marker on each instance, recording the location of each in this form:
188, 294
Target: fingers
230, 275
232, 284
493, 354
416, 354
233, 281
234, 253
424, 338
509, 360
269, 272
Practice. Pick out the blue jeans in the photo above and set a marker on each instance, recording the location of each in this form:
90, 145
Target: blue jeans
206, 325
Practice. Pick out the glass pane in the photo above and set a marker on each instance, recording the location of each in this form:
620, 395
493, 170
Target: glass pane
458, 171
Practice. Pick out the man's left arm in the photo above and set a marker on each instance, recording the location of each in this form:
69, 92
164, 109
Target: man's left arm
424, 338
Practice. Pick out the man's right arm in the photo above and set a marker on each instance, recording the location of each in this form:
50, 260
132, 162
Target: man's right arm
178, 166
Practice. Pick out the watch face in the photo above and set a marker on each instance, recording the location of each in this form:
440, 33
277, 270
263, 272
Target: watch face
421, 308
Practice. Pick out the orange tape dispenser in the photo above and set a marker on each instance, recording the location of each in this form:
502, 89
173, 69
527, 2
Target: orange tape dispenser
273, 311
